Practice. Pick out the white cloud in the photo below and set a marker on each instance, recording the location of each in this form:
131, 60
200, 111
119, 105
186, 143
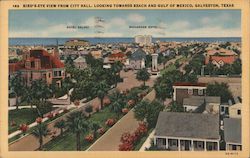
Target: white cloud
137, 18
41, 21
206, 20
22, 34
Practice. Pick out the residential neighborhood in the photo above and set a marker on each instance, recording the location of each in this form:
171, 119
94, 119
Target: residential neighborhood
145, 95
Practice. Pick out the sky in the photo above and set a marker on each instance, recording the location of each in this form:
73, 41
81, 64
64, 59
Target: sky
170, 23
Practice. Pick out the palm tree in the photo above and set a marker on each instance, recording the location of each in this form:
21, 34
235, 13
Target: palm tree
95, 126
101, 90
61, 125
143, 75
40, 90
117, 107
39, 132
116, 68
77, 124
28, 96
17, 86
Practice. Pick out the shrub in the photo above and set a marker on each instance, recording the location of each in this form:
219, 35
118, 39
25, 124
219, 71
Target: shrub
50, 115
39, 120
77, 102
89, 109
101, 131
125, 110
126, 147
131, 103
23, 127
89, 138
110, 122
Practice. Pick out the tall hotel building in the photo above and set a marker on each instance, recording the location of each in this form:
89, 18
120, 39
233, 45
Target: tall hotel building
143, 39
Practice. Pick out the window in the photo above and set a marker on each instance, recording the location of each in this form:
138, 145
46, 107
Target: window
173, 142
239, 112
222, 109
55, 73
200, 91
60, 73
164, 142
49, 75
233, 147
190, 91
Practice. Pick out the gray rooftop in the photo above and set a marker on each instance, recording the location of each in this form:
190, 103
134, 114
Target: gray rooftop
193, 101
139, 54
199, 100
189, 125
232, 130
80, 59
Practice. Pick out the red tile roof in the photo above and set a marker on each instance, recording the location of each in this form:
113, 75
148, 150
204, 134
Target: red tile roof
117, 55
47, 61
226, 59
190, 84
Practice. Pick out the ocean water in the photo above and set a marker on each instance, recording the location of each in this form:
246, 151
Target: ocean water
53, 41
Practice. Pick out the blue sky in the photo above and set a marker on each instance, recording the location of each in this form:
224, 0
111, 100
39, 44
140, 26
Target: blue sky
171, 23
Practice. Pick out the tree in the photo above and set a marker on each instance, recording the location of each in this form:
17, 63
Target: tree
95, 126
161, 90
77, 124
143, 75
116, 69
17, 86
148, 111
43, 107
101, 91
175, 107
40, 90
237, 67
117, 106
28, 96
219, 89
60, 125
39, 132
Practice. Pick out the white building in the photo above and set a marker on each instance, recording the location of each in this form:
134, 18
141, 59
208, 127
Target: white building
187, 132
143, 39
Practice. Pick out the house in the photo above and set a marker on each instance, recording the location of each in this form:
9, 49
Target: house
97, 54
232, 133
187, 132
186, 89
39, 64
121, 57
80, 62
206, 104
220, 57
235, 109
137, 59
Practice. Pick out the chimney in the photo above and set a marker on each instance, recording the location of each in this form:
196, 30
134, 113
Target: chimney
37, 64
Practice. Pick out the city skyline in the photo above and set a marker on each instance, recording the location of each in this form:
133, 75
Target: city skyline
176, 23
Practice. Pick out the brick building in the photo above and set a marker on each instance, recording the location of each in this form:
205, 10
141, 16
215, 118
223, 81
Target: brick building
39, 64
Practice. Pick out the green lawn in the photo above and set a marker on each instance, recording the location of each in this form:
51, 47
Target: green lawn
68, 141
21, 116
